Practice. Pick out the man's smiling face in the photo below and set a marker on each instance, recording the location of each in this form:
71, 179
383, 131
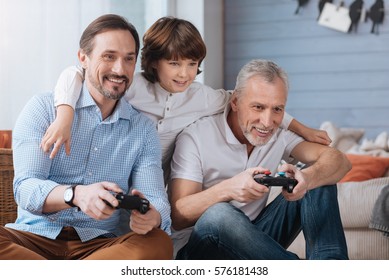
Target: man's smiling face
110, 66
260, 110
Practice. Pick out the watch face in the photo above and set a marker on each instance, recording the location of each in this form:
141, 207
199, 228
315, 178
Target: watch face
68, 195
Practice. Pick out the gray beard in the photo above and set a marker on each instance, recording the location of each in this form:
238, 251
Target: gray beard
253, 141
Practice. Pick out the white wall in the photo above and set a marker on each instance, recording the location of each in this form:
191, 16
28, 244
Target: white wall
39, 39
24, 52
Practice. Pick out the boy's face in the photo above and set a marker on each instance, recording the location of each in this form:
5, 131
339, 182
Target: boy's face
111, 65
176, 75
259, 110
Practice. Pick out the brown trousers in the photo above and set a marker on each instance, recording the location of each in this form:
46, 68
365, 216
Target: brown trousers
22, 245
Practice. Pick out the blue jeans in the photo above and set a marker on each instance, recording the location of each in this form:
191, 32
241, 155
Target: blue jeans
225, 232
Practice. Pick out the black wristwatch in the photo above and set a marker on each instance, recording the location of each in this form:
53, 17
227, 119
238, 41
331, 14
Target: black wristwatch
68, 195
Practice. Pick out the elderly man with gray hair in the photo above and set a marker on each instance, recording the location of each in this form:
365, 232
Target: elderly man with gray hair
219, 211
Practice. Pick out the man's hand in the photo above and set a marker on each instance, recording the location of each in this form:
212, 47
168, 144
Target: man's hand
144, 223
301, 188
243, 188
93, 199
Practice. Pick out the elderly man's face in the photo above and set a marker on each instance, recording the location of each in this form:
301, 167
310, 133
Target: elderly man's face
111, 65
260, 109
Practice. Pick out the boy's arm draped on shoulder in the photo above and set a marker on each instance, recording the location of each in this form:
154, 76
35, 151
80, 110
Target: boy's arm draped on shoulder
309, 134
66, 94
68, 88
217, 99
59, 132
286, 121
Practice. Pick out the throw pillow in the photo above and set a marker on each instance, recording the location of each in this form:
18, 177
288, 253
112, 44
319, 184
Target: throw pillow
365, 167
380, 143
342, 138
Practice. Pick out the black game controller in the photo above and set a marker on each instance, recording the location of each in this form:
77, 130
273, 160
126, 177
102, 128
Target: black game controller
132, 202
280, 180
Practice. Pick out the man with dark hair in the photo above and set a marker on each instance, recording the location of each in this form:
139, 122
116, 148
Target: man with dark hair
67, 205
218, 208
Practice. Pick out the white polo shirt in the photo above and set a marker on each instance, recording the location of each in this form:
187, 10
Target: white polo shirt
208, 152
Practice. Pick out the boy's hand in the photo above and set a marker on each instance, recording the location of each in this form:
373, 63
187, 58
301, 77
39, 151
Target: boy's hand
310, 134
59, 132
317, 136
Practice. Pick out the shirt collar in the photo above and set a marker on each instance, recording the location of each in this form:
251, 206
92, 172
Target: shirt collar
121, 110
230, 137
162, 90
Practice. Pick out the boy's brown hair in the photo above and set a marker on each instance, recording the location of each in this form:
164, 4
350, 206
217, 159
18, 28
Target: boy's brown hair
170, 38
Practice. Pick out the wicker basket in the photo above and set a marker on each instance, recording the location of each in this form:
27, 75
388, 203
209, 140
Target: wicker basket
8, 206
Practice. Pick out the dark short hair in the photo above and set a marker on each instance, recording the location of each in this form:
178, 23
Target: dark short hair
170, 38
105, 23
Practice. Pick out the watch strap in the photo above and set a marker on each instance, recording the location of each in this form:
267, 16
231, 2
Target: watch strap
70, 203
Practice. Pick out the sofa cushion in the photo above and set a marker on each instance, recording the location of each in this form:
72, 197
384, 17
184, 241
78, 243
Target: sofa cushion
374, 147
357, 199
365, 167
362, 244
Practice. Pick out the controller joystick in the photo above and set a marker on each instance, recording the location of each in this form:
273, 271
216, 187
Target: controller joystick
279, 180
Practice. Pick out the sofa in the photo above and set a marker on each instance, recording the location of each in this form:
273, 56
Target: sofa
358, 193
